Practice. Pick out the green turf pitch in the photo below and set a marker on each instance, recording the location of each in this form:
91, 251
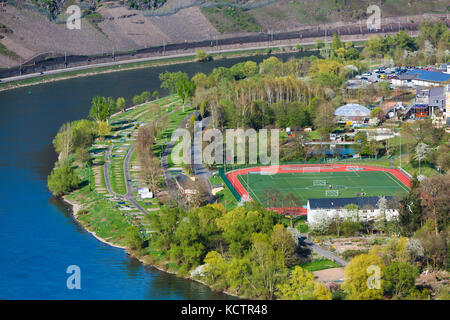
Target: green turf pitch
301, 185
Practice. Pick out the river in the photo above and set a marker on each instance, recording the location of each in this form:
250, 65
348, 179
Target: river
39, 238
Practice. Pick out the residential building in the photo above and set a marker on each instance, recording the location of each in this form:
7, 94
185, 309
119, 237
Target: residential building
369, 208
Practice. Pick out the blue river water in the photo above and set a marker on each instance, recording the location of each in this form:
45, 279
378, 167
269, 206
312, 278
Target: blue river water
39, 238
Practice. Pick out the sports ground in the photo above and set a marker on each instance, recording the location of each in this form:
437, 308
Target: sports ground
290, 186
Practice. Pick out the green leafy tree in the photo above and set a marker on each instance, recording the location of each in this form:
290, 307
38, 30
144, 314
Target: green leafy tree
62, 180
121, 103
283, 241
301, 286
201, 56
400, 279
133, 238
357, 283
102, 108
185, 89
137, 100
145, 96
170, 80
268, 268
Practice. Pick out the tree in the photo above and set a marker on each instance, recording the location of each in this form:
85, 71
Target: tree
363, 278
201, 193
170, 80
121, 104
215, 267
268, 269
435, 193
83, 133
155, 95
250, 68
62, 180
165, 223
200, 79
137, 100
336, 42
201, 56
133, 238
239, 224
400, 279
321, 223
283, 241
324, 120
415, 252
435, 246
422, 152
63, 142
145, 96
102, 108
151, 171
185, 89
301, 286
377, 113
103, 129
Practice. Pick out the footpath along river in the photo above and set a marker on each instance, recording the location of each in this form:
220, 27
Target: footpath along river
39, 238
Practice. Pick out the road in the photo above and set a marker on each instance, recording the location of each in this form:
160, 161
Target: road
126, 172
197, 152
139, 60
318, 249
325, 253
171, 185
106, 173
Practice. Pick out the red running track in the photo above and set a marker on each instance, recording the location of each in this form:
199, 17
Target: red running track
292, 168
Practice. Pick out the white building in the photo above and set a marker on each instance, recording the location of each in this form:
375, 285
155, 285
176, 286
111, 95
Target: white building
145, 193
369, 208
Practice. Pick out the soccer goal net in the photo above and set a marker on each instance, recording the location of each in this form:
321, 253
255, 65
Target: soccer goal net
311, 169
319, 182
331, 193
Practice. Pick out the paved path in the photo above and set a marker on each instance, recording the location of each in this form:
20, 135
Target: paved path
127, 176
171, 185
106, 172
197, 151
126, 165
318, 249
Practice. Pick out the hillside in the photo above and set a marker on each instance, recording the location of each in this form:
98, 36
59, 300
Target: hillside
37, 27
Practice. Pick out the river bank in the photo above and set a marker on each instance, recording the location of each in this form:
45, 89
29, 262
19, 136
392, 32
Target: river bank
75, 208
101, 216
129, 66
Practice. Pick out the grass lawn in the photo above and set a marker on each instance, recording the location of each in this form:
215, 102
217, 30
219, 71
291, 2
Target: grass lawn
103, 217
314, 185
225, 197
320, 264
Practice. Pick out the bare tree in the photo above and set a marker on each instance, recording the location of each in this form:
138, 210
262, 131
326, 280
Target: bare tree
435, 193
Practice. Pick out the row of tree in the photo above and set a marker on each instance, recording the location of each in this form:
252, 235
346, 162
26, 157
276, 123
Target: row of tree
430, 47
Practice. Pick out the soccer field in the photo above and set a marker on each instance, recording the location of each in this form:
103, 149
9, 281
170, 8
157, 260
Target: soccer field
271, 190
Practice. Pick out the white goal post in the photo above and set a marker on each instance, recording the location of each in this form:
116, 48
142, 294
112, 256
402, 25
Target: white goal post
319, 182
332, 193
311, 169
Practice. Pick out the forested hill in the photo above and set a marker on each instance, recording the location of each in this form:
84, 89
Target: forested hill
34, 27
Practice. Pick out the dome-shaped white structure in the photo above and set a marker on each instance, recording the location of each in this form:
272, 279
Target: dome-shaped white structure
352, 110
